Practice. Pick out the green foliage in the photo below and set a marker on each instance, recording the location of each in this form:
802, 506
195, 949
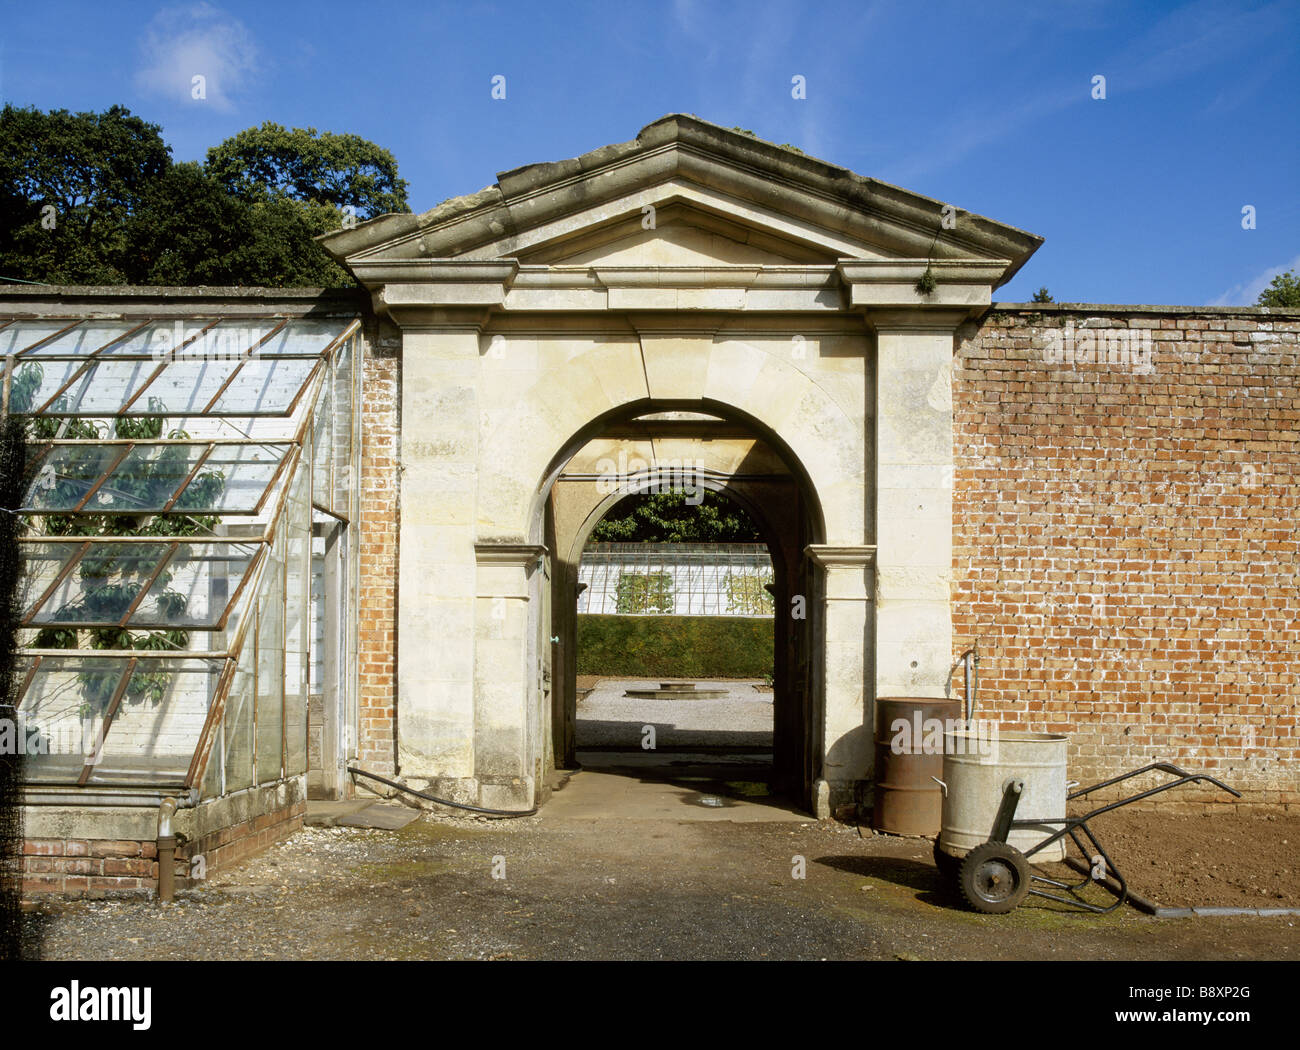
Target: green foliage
667, 517
644, 592
926, 284
1043, 296
93, 170
747, 595
1284, 290
123, 213
675, 646
273, 163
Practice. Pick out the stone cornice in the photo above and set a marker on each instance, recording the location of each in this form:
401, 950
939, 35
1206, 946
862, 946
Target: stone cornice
520, 555
830, 556
670, 157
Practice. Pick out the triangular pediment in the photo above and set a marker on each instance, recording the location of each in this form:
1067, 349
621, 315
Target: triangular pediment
677, 235
683, 193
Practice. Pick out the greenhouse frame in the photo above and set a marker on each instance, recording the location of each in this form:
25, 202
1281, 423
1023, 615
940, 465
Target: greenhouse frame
187, 573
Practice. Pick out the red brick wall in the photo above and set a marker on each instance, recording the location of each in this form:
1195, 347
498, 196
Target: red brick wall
377, 612
101, 867
1125, 539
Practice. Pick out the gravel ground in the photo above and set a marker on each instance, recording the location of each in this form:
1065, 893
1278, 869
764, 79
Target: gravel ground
607, 718
613, 889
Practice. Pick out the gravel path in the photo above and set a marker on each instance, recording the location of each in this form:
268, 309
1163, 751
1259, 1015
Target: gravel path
573, 887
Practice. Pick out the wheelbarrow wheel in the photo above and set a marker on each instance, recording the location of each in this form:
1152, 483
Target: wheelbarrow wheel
947, 864
994, 878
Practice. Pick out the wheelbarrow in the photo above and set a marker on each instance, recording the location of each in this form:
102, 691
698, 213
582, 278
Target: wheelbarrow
995, 877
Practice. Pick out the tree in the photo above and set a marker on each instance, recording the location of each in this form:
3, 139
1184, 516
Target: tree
68, 184
1043, 295
667, 517
340, 171
1284, 290
94, 198
191, 231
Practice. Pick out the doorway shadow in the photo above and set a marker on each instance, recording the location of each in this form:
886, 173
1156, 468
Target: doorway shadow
717, 778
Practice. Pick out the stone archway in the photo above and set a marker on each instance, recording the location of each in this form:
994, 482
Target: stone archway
724, 458
696, 269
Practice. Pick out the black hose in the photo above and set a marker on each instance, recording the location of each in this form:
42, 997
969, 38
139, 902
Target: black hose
443, 801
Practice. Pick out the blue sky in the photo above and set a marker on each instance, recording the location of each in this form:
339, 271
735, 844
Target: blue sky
987, 105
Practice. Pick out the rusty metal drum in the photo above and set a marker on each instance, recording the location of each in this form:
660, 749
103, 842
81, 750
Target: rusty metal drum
909, 755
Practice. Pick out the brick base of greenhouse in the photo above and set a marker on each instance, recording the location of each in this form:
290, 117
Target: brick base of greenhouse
96, 868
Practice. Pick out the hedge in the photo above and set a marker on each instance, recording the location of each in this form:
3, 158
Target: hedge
675, 646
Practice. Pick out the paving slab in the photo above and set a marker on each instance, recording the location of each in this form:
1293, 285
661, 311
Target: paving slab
363, 813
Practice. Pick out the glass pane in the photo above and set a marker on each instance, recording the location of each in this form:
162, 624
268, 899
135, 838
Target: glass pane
231, 339
65, 474
296, 646
322, 450
195, 588
233, 479
100, 588
42, 563
237, 729
343, 381
158, 722
215, 768
303, 337
270, 668
185, 387
60, 714
85, 339
298, 519
35, 382
145, 480
22, 334
104, 388
265, 385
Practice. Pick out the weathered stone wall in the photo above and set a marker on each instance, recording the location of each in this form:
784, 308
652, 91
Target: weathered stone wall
1125, 535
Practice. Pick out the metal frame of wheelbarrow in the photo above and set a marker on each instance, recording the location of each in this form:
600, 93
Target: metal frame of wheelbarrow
1006, 822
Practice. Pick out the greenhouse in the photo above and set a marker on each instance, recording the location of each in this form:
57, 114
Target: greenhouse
188, 483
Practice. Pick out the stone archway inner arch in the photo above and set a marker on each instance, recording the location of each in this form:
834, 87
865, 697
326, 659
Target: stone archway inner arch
724, 457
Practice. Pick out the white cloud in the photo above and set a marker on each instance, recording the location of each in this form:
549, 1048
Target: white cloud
1246, 293
198, 40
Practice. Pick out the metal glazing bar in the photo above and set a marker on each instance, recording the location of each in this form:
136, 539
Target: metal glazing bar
63, 573
162, 366
91, 360
53, 335
135, 604
117, 462
188, 478
108, 721
238, 368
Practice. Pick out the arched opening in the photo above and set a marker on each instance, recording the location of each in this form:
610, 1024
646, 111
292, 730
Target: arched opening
675, 644
713, 449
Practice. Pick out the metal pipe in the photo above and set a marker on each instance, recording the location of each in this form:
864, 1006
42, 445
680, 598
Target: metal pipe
166, 851
442, 801
970, 661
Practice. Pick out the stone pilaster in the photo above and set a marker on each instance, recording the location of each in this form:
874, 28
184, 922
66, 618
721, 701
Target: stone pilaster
914, 470
504, 673
847, 658
436, 564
